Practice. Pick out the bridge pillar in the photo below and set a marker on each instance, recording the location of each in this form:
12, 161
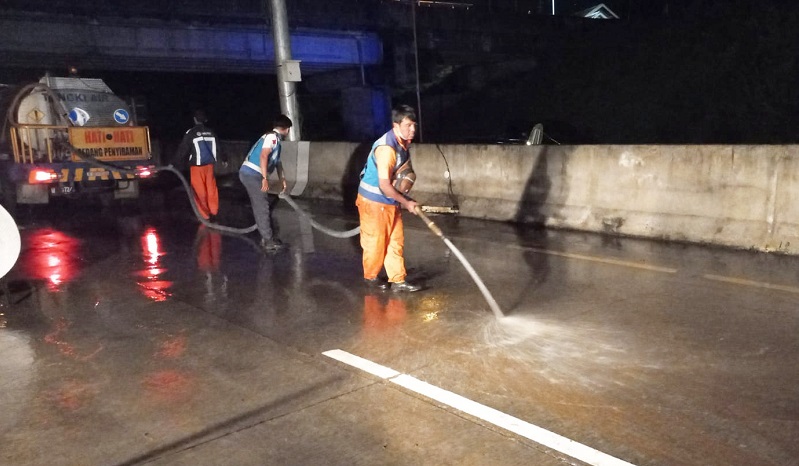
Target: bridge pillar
367, 112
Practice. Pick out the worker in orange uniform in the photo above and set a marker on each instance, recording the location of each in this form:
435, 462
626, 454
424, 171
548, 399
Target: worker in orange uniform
381, 195
199, 150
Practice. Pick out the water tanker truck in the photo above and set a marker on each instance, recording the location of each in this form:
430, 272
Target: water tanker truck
69, 137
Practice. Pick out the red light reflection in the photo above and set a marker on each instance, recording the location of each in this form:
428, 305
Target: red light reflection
173, 347
150, 242
51, 256
71, 395
168, 385
152, 287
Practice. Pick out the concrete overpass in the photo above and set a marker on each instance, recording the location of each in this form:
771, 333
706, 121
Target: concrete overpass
36, 40
340, 58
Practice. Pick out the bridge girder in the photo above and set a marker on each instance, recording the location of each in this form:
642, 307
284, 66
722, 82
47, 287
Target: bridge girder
152, 45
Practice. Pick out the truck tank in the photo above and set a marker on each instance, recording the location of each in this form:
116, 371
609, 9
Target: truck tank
69, 136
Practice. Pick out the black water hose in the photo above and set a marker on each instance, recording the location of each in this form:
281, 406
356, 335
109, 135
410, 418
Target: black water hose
189, 191
322, 228
450, 192
285, 196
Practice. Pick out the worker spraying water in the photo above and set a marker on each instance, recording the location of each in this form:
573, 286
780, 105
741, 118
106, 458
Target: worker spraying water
492, 303
381, 197
386, 180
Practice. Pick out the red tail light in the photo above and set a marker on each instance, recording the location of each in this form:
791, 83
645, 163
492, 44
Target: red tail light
145, 172
42, 176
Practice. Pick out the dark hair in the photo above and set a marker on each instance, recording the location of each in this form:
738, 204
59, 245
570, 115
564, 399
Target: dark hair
282, 121
199, 116
400, 112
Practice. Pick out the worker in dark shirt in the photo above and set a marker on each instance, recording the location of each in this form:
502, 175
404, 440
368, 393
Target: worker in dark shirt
199, 150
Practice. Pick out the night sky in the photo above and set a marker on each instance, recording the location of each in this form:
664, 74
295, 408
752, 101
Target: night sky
686, 72
668, 71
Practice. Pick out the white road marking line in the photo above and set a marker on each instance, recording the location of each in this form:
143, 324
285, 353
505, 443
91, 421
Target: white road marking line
363, 364
653, 268
743, 281
525, 429
603, 260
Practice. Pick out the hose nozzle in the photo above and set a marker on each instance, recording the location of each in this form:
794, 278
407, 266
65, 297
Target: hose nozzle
432, 226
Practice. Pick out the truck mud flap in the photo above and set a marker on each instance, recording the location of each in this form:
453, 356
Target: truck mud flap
33, 194
127, 190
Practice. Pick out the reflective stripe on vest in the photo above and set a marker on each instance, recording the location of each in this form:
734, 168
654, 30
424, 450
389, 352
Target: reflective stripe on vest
253, 159
369, 186
205, 148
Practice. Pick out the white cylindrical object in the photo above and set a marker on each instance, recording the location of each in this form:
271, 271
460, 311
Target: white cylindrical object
10, 243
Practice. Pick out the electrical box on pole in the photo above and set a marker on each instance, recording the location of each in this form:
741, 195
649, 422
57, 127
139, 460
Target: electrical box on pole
290, 71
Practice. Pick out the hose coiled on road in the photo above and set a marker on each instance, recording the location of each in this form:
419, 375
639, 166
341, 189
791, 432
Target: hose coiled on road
285, 196
216, 226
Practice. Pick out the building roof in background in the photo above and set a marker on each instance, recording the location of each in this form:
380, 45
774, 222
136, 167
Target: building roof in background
600, 11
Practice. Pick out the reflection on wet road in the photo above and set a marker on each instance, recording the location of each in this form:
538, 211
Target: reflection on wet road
134, 337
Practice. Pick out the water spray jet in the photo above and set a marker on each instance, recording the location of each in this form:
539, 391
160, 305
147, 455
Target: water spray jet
492, 303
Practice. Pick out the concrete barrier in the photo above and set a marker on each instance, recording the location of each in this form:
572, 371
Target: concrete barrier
736, 196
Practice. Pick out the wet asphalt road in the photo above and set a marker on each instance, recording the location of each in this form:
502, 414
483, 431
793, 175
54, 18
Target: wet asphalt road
133, 335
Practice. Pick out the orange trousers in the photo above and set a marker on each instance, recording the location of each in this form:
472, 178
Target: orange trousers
206, 194
382, 239
209, 249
